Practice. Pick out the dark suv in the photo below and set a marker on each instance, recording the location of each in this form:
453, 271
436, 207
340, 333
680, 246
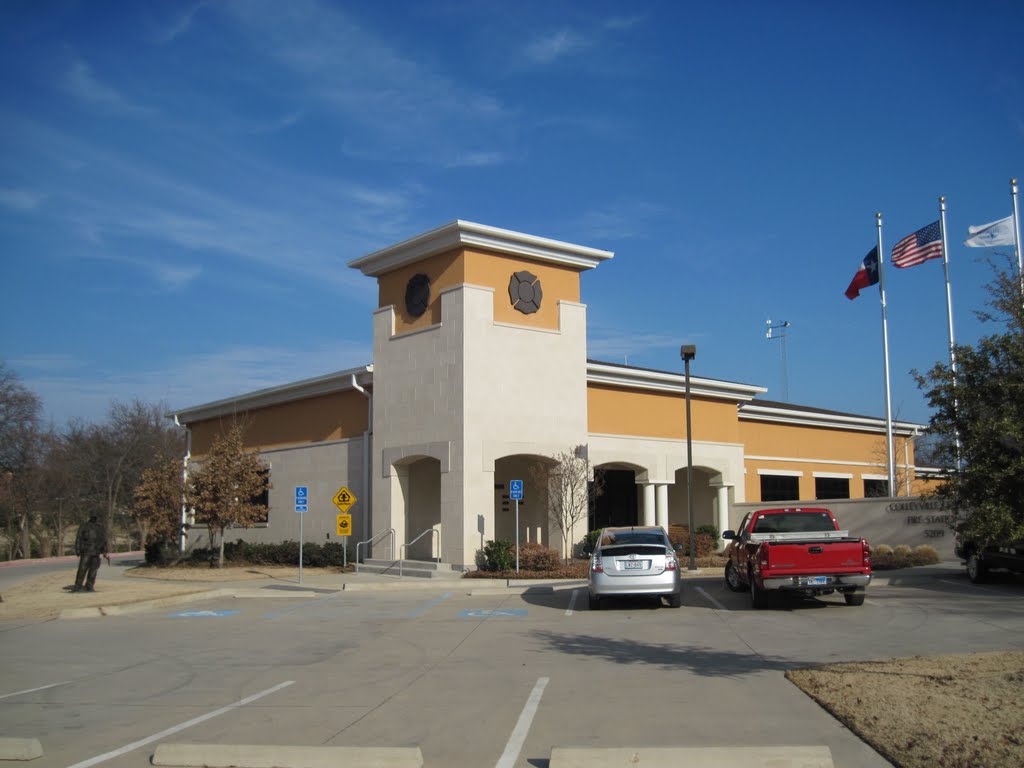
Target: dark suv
980, 560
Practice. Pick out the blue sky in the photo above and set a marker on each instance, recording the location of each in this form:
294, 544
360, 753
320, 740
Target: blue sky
183, 183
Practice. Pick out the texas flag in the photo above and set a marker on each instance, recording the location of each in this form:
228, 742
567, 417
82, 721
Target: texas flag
866, 275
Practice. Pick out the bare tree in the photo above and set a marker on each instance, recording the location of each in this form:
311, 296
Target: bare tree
225, 485
572, 488
20, 459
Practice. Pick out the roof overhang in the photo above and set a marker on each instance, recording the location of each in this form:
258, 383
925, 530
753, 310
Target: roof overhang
664, 381
327, 384
466, 233
812, 418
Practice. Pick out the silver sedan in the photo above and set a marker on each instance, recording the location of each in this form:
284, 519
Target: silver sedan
638, 560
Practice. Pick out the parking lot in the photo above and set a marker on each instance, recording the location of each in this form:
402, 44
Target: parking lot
493, 679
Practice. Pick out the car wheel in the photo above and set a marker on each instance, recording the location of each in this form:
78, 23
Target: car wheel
758, 598
676, 600
732, 578
854, 598
595, 603
977, 571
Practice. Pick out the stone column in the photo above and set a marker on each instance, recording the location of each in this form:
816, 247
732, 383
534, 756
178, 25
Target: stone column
723, 513
662, 505
649, 509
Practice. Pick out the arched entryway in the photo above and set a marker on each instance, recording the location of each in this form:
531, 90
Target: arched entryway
420, 480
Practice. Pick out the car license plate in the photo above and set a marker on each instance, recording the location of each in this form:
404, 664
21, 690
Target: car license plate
633, 564
814, 581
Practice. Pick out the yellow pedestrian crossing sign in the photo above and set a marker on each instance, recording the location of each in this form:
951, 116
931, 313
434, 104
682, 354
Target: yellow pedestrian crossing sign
344, 499
344, 525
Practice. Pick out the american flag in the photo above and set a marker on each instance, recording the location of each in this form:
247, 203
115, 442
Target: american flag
917, 248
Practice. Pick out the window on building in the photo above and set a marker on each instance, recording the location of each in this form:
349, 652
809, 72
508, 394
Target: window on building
873, 489
780, 488
831, 488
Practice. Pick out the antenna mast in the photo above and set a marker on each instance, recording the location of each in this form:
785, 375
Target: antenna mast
778, 331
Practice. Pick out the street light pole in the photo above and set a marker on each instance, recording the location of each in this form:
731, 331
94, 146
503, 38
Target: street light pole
688, 352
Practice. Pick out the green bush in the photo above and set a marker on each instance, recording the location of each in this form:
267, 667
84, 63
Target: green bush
586, 546
537, 557
498, 556
327, 555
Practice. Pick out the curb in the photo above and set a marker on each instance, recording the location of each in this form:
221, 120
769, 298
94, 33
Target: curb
692, 757
265, 756
20, 749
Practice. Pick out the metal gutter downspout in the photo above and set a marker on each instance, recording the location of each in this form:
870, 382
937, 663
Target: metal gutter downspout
366, 457
183, 536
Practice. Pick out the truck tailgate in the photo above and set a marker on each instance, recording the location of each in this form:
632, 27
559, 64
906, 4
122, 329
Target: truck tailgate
815, 557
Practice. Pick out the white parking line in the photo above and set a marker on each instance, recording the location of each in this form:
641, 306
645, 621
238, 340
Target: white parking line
572, 602
515, 741
711, 600
33, 690
180, 727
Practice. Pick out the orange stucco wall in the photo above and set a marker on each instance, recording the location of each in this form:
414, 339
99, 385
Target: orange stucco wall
329, 417
490, 270
619, 411
791, 447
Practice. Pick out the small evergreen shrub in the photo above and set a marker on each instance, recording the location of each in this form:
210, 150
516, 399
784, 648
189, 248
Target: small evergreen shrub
884, 557
499, 556
710, 530
590, 541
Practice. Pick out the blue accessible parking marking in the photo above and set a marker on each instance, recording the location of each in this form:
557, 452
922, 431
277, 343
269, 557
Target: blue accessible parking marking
486, 614
201, 614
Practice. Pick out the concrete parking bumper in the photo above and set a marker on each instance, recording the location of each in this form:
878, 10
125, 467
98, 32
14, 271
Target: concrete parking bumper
691, 757
20, 749
264, 756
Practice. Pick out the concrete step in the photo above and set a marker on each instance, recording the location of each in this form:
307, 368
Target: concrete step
424, 569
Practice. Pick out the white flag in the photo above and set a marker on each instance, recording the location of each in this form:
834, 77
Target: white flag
997, 233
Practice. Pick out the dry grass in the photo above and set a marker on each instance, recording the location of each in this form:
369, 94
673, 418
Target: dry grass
939, 711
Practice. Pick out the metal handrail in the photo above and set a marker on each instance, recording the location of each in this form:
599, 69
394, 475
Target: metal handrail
372, 539
401, 557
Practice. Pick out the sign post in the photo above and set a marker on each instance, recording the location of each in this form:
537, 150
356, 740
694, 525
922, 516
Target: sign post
515, 492
343, 500
301, 506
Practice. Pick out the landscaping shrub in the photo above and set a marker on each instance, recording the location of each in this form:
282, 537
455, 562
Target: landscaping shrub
704, 543
161, 552
537, 557
499, 556
884, 557
586, 547
925, 554
710, 530
327, 555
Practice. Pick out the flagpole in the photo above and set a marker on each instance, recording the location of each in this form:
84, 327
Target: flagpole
885, 354
1016, 235
949, 316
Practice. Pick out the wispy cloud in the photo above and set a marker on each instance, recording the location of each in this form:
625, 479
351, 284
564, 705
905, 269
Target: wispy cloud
180, 24
615, 346
476, 159
391, 102
20, 199
83, 85
549, 46
621, 219
73, 387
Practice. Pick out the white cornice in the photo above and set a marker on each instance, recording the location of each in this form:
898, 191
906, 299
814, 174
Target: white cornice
807, 418
460, 233
663, 381
286, 393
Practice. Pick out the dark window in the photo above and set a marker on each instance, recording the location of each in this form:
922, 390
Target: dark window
780, 488
875, 488
831, 488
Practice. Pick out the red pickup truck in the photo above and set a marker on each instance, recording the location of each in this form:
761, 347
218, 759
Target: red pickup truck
796, 551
